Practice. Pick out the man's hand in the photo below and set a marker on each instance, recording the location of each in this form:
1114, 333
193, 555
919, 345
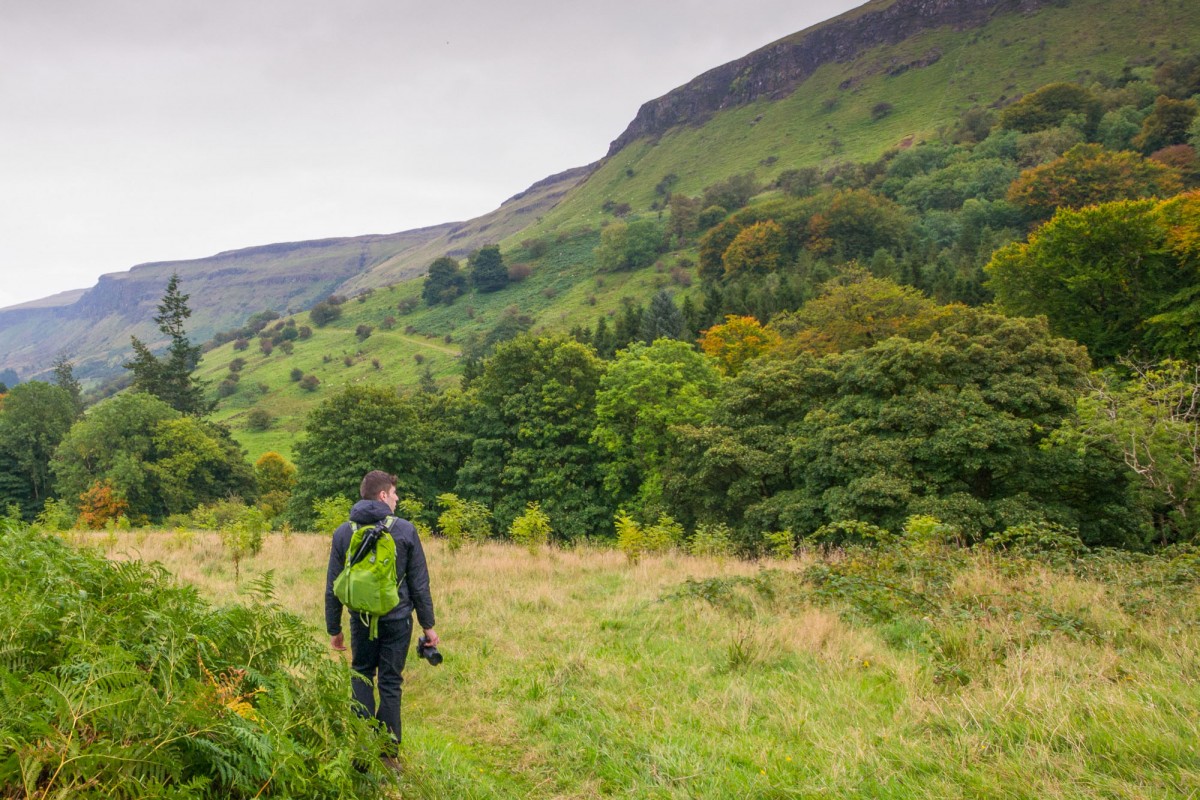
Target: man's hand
431, 637
338, 642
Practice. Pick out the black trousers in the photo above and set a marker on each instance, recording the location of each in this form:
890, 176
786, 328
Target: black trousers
379, 664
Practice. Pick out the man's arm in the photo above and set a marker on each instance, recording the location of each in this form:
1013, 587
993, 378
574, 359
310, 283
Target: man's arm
333, 606
417, 575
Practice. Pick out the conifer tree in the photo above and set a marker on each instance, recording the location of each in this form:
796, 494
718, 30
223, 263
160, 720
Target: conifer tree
487, 270
170, 378
64, 378
662, 319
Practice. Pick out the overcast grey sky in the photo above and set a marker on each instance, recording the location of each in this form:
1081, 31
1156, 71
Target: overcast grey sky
152, 130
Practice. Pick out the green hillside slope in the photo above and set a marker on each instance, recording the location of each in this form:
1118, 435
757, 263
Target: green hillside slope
832, 118
828, 119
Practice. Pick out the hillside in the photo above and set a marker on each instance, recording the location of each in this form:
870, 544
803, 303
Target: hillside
885, 76
782, 107
93, 326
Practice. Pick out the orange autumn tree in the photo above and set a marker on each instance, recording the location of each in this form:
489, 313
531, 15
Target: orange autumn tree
1088, 174
737, 341
98, 505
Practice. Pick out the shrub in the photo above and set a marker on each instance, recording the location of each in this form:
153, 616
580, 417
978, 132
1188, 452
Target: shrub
304, 332
237, 364
780, 544
98, 505
266, 346
330, 512
388, 323
711, 540
296, 374
363, 332
259, 419
241, 344
56, 515
630, 538
519, 272
202, 703
881, 110
531, 528
244, 538
324, 313
226, 387
463, 520
413, 510
309, 383
218, 514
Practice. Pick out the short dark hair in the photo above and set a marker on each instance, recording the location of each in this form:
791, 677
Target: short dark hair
374, 482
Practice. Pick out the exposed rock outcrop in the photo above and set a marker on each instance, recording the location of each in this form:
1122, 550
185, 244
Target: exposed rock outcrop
777, 69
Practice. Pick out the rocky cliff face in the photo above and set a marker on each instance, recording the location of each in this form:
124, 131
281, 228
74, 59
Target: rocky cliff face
777, 69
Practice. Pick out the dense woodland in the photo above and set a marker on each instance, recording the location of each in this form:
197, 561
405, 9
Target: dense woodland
997, 329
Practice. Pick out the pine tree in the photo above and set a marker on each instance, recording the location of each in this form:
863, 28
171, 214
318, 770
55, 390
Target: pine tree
487, 270
662, 320
64, 378
603, 339
170, 378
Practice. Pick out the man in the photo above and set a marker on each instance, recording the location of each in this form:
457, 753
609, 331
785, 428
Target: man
379, 662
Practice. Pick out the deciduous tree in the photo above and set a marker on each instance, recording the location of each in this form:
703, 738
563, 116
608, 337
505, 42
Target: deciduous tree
1088, 174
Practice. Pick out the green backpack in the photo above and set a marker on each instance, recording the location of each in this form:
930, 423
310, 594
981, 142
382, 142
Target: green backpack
367, 585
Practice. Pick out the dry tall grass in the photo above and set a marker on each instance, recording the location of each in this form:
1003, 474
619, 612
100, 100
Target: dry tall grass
573, 674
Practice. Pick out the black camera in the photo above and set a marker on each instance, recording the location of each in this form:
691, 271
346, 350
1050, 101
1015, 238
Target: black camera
428, 652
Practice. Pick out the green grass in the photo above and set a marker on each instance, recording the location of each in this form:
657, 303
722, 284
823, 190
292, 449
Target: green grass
571, 673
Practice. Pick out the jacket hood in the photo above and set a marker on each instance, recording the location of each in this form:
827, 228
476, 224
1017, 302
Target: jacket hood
368, 512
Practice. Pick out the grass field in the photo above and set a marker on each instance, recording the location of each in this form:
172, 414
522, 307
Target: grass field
571, 673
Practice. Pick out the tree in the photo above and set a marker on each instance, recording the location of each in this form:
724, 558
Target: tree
486, 269
1152, 420
857, 310
171, 379
418, 437
1049, 106
856, 224
193, 463
952, 426
644, 392
1100, 274
1167, 124
685, 216
323, 313
1088, 174
757, 249
731, 193
33, 421
629, 245
662, 319
444, 283
64, 378
531, 419
737, 341
155, 458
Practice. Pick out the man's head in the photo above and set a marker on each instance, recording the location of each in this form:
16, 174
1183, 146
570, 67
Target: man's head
378, 485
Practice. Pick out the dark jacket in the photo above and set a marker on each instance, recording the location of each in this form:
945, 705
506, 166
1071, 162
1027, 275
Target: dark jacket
411, 571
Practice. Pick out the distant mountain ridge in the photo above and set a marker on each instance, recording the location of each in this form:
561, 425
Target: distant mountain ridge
93, 326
